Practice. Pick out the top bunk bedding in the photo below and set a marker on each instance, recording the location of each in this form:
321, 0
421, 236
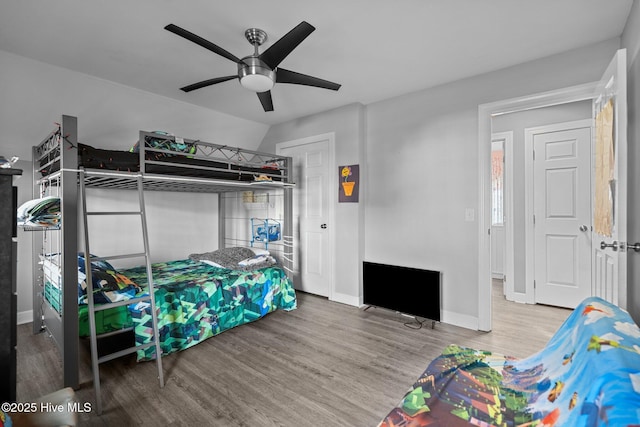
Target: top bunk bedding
165, 154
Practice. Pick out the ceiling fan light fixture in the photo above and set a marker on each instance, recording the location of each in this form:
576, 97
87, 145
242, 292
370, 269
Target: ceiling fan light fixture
256, 82
255, 75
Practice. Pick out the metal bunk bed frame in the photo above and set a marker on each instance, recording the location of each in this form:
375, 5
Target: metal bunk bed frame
61, 146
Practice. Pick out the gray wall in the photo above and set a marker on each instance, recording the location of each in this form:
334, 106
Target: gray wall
110, 115
420, 171
631, 41
427, 144
347, 123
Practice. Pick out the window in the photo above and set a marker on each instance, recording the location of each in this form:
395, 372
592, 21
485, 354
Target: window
497, 187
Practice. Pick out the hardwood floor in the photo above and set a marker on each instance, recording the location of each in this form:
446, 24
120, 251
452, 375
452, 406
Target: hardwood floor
323, 364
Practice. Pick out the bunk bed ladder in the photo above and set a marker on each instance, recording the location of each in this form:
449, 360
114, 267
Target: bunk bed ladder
96, 359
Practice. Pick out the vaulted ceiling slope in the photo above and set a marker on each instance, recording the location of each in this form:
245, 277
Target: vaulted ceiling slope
377, 49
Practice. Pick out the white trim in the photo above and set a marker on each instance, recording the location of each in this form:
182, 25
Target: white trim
346, 299
485, 113
25, 317
529, 236
461, 320
333, 196
509, 231
529, 134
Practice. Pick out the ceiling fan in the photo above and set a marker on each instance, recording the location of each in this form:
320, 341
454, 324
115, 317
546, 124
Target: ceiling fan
260, 71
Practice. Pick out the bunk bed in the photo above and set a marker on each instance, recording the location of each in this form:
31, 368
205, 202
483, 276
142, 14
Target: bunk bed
63, 168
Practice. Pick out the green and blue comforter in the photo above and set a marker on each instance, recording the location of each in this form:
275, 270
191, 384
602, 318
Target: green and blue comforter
196, 301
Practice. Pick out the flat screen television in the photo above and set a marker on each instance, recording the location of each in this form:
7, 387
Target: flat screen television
404, 289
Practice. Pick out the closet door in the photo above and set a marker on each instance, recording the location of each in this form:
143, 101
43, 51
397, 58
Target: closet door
312, 262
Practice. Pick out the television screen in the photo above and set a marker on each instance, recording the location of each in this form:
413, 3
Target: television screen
406, 290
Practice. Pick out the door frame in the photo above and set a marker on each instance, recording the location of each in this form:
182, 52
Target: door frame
485, 113
529, 133
332, 195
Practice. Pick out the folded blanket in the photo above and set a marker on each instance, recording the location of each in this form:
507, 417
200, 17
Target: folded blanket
235, 258
44, 212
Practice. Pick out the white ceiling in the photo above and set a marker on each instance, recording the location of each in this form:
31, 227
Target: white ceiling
376, 49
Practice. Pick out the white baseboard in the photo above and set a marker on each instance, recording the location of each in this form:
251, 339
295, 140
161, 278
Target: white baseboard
461, 320
346, 299
25, 317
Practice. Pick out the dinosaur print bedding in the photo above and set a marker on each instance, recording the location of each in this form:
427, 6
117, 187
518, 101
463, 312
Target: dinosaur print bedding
588, 374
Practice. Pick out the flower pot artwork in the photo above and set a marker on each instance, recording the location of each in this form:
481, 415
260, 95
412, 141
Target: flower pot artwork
349, 183
348, 188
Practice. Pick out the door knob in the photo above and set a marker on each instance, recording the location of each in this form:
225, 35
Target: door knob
613, 245
323, 226
583, 228
634, 246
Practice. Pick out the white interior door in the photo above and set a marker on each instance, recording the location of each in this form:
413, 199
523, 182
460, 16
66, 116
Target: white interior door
562, 213
312, 265
610, 247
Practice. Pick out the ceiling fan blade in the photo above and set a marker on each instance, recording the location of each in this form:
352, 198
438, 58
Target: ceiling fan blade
265, 100
288, 76
206, 83
283, 47
202, 42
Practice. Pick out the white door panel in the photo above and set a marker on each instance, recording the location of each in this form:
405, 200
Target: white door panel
610, 262
312, 269
313, 244
605, 275
562, 212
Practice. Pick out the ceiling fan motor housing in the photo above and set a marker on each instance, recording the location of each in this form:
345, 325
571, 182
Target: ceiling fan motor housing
255, 75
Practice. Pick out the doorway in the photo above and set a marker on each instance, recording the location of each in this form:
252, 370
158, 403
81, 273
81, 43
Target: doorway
518, 187
312, 212
609, 90
487, 113
612, 86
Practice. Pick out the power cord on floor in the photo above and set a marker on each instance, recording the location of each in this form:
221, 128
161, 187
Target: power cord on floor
415, 324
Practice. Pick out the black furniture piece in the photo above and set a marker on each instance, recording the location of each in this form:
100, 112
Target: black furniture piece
410, 291
8, 295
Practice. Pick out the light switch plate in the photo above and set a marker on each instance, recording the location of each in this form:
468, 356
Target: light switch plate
469, 214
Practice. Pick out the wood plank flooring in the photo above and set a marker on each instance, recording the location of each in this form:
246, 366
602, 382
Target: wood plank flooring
324, 364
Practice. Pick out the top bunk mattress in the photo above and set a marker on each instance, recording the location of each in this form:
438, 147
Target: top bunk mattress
165, 157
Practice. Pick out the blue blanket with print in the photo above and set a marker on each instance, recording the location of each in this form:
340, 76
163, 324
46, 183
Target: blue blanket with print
588, 374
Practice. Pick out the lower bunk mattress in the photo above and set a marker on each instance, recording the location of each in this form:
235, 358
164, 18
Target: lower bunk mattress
194, 301
588, 374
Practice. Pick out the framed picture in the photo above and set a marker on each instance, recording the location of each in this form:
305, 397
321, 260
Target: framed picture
349, 183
